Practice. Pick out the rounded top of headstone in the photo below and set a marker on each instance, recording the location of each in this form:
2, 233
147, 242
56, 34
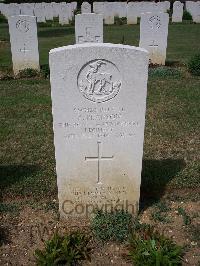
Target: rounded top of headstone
92, 45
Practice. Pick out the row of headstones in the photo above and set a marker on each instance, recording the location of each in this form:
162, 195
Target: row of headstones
109, 10
42, 11
88, 28
133, 10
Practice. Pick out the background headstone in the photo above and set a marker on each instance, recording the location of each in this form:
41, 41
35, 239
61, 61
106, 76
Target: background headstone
26, 9
177, 12
132, 12
153, 35
98, 7
196, 12
108, 13
48, 9
85, 7
70, 11
55, 7
24, 42
98, 100
39, 12
63, 14
194, 9
89, 28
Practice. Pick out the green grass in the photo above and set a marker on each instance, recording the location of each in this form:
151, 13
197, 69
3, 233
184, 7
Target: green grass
112, 226
64, 250
27, 163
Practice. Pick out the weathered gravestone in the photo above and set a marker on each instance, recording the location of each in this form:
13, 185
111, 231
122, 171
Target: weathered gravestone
98, 100
177, 12
49, 12
63, 14
9, 9
196, 12
74, 5
73, 8
98, 7
119, 9
194, 9
167, 5
108, 13
2, 8
55, 7
85, 7
39, 12
70, 11
26, 9
13, 9
132, 12
122, 9
153, 35
24, 42
89, 28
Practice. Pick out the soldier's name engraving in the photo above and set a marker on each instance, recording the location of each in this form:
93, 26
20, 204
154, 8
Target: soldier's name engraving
99, 122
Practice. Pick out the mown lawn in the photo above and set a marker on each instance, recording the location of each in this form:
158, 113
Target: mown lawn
171, 165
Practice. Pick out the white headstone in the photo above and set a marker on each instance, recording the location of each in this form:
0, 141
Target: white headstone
2, 8
85, 7
26, 9
98, 100
98, 7
49, 12
39, 12
167, 5
89, 28
197, 14
70, 11
194, 9
161, 7
177, 12
63, 14
74, 5
13, 9
55, 7
24, 42
132, 12
122, 9
119, 9
153, 35
108, 13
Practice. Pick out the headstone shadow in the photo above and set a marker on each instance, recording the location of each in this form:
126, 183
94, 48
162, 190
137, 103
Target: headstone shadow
155, 176
11, 174
4, 236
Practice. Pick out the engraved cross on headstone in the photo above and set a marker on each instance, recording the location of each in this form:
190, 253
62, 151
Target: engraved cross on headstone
89, 36
99, 158
24, 50
153, 44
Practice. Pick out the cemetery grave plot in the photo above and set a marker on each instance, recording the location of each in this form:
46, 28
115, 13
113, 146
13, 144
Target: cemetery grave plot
170, 177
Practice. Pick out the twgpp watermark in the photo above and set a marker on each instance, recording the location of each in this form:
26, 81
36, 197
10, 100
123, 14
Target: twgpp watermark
70, 208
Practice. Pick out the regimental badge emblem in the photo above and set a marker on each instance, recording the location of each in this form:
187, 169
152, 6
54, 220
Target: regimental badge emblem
155, 22
99, 80
22, 25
